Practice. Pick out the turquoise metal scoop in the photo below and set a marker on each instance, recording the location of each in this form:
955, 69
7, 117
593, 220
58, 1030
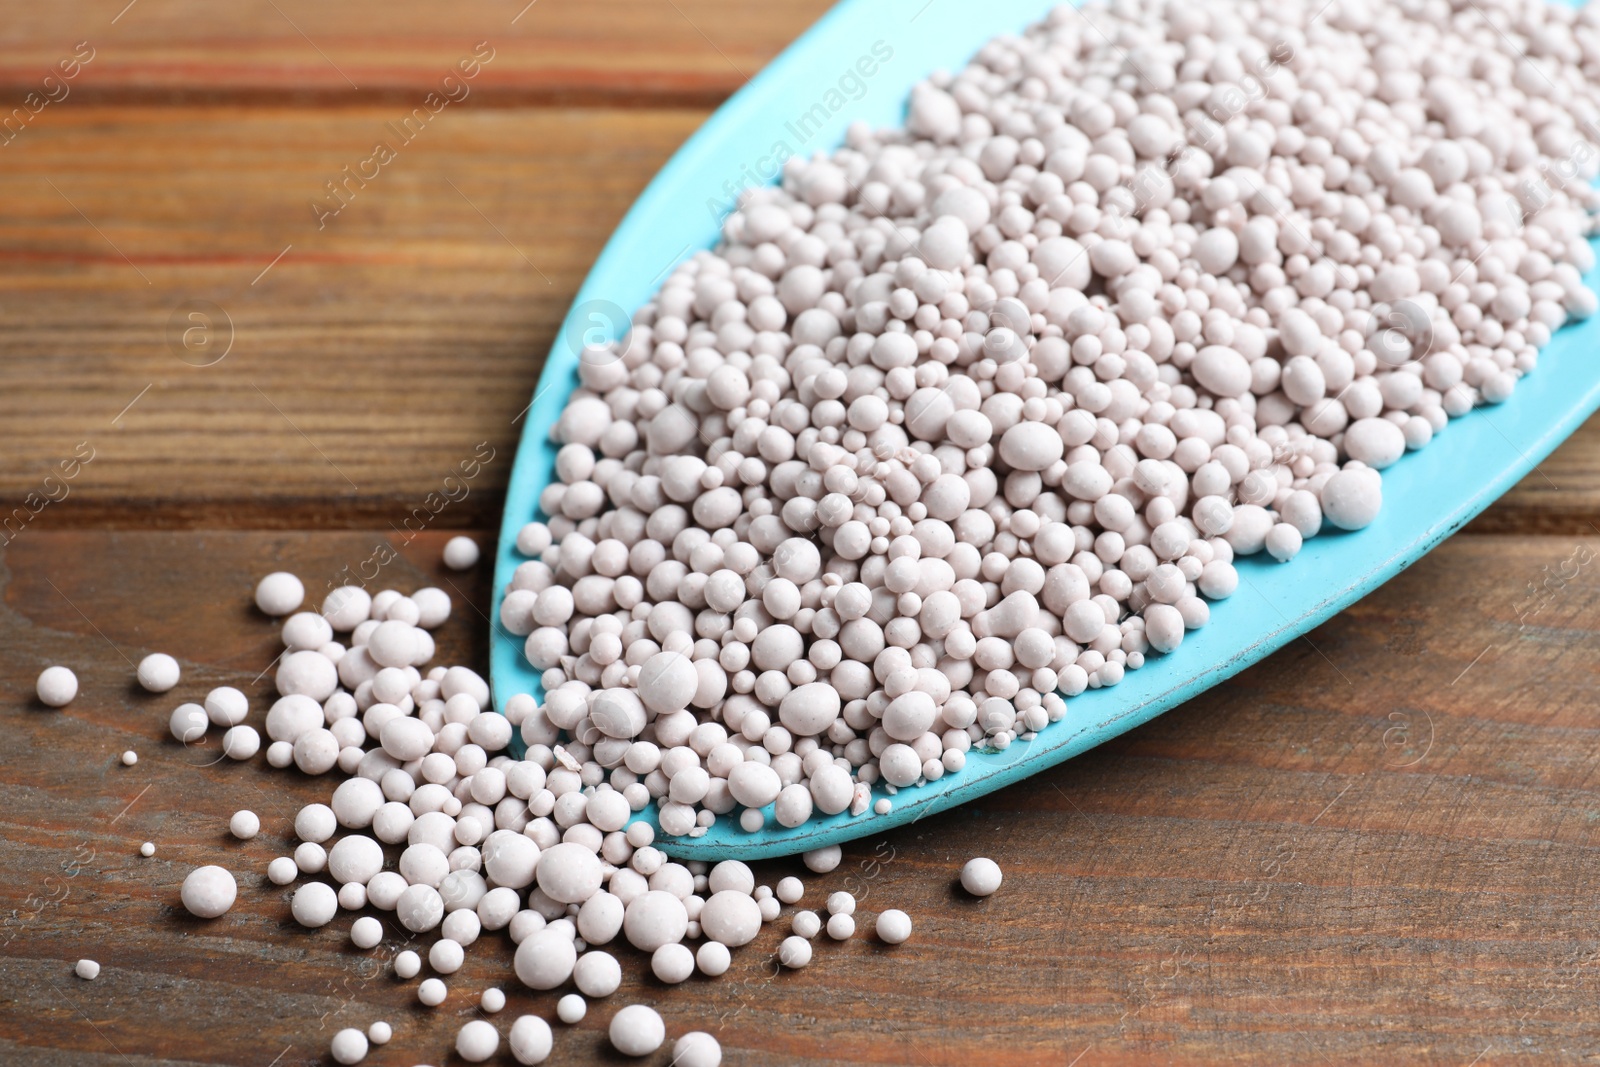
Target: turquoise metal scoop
859, 63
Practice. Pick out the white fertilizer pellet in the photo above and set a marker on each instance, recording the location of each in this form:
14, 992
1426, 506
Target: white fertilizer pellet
980, 877
379, 1033
795, 952
460, 553
348, 1046
208, 892
88, 970
244, 825
893, 926
637, 1030
957, 423
696, 1049
366, 932
806, 924
56, 686
477, 1041
279, 593
530, 1039
158, 672
129, 758
147, 849
571, 1008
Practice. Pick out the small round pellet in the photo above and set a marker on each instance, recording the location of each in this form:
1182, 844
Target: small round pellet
841, 903
158, 672
366, 932
477, 1041
713, 959
380, 1033
597, 973
408, 964
446, 956
129, 758
57, 686
279, 593
893, 926
492, 1000
460, 553
314, 904
244, 825
822, 860
241, 742
188, 723
672, 963
88, 970
282, 870
795, 951
806, 924
571, 1008
696, 1049
348, 1046
311, 858
210, 891
980, 876
637, 1030
226, 706
431, 992
147, 849
841, 927
530, 1039
790, 890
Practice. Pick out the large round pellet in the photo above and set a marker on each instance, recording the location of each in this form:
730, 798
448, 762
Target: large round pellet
545, 959
158, 672
893, 926
754, 785
530, 1039
210, 891
569, 873
56, 687
655, 918
1351, 498
477, 1040
637, 1030
731, 917
348, 1046
980, 876
810, 709
314, 904
279, 593
356, 858
597, 974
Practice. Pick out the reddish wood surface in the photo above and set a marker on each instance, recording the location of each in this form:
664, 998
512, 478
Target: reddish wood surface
674, 52
1377, 846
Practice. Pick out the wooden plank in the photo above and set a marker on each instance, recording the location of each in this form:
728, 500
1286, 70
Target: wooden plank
683, 53
385, 346
1376, 846
390, 343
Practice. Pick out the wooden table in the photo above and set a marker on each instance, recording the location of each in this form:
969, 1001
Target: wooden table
1377, 846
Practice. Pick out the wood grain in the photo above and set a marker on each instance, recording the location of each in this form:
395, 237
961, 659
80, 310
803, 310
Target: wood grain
1376, 846
661, 52
387, 345
366, 364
